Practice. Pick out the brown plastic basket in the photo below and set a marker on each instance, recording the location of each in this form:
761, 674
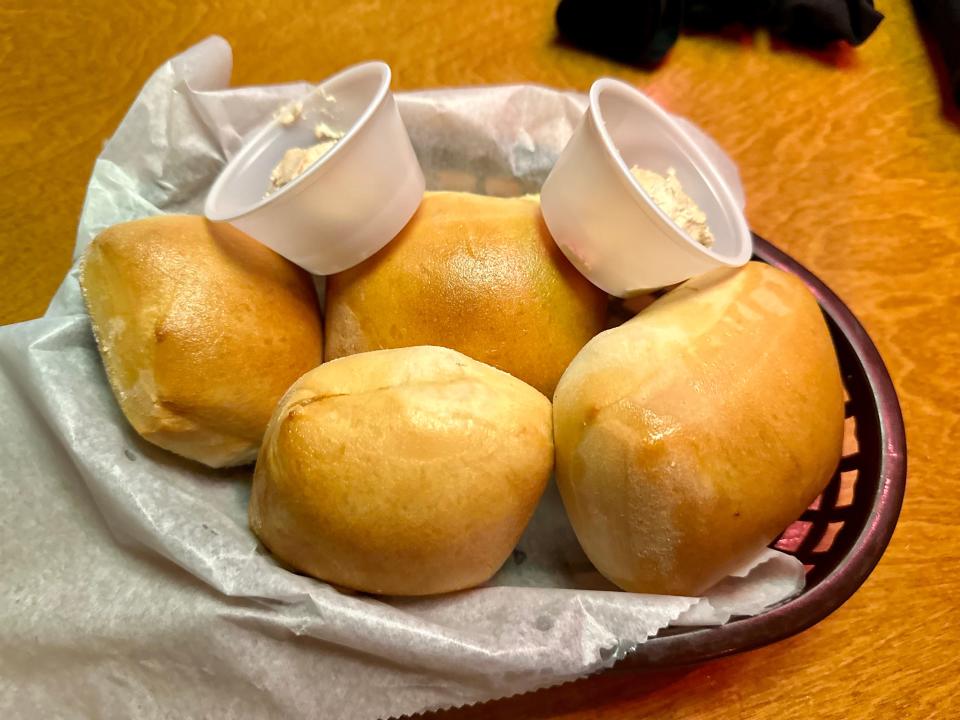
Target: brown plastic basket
841, 537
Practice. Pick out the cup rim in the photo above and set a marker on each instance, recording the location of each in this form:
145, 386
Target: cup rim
716, 185
283, 193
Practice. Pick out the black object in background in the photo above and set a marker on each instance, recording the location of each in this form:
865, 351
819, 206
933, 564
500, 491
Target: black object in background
811, 23
941, 18
642, 31
636, 32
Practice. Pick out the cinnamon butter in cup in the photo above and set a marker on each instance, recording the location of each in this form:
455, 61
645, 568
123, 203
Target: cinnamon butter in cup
345, 200
609, 226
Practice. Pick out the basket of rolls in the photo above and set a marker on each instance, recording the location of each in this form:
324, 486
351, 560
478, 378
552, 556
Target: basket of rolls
541, 407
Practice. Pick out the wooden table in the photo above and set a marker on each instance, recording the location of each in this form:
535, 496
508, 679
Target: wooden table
849, 164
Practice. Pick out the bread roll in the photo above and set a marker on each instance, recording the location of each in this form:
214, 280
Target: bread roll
691, 436
402, 472
201, 330
477, 274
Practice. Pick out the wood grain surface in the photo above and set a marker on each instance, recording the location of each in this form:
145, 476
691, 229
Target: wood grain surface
849, 162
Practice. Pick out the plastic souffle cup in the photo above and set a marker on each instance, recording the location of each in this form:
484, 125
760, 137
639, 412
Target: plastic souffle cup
608, 226
350, 202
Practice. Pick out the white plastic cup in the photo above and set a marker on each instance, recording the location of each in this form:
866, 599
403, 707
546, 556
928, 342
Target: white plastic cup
348, 204
608, 226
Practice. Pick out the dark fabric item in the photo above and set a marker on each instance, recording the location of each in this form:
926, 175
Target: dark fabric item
812, 23
942, 21
642, 31
820, 22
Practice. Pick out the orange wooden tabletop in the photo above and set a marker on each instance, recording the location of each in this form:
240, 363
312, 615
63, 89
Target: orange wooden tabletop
849, 163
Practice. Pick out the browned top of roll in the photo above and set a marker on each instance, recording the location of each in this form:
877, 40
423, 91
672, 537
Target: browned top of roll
478, 274
201, 329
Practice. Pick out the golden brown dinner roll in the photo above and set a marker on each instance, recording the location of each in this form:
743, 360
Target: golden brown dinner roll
201, 330
691, 436
402, 472
477, 274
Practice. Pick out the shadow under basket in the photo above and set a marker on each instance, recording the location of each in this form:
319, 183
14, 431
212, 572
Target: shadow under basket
841, 536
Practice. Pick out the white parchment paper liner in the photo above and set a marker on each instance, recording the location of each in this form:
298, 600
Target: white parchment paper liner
131, 585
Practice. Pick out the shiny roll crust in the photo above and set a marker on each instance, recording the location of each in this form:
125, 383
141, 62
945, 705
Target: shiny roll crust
477, 274
691, 436
201, 330
403, 472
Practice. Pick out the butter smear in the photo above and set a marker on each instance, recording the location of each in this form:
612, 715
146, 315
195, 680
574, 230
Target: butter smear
668, 195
